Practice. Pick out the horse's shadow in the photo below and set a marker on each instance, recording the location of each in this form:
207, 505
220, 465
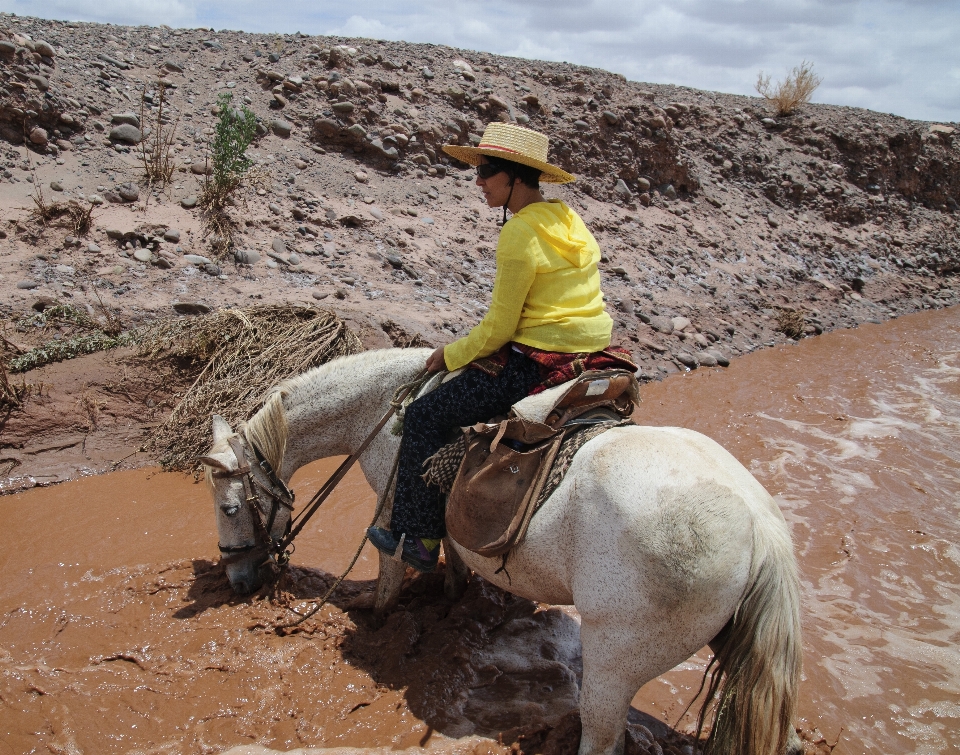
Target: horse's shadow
488, 663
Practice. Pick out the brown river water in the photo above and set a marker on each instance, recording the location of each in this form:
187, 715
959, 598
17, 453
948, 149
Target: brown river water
119, 634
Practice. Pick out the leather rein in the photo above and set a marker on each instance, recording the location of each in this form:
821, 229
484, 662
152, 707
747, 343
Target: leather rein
279, 494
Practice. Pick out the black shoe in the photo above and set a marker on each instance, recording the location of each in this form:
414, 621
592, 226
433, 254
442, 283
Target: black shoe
414, 552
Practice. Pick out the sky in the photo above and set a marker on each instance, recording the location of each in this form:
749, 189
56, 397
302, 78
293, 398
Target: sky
894, 56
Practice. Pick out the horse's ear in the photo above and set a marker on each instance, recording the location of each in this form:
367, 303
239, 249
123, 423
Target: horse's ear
214, 462
221, 428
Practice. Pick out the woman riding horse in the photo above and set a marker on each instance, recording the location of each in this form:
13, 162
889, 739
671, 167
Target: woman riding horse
546, 323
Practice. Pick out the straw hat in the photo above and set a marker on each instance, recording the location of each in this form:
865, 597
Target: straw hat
511, 142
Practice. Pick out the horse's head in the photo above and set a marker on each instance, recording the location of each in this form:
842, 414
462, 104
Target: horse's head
248, 505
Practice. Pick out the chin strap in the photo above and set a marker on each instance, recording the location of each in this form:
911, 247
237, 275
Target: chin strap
506, 203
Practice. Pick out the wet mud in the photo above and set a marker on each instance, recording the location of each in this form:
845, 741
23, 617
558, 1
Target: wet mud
119, 632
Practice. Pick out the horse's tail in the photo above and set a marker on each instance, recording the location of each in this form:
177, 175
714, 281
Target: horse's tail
757, 668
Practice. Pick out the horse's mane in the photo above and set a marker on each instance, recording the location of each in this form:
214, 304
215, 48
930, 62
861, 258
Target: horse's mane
267, 429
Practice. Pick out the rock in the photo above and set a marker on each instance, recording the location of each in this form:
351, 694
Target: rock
42, 303
496, 102
112, 197
376, 213
190, 308
361, 177
95, 199
705, 359
279, 246
129, 192
44, 48
201, 168
195, 259
643, 184
294, 258
7, 47
718, 357
610, 117
119, 118
343, 108
772, 220
39, 137
320, 295
938, 128
142, 255
172, 235
56, 185
648, 344
26, 285
40, 82
173, 65
644, 199
93, 248
246, 256
680, 323
188, 203
281, 127
357, 131
622, 190
768, 122
686, 359
661, 324
275, 208
668, 191
582, 125
126, 133
211, 268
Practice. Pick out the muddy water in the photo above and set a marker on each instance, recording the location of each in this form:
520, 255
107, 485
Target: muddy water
118, 633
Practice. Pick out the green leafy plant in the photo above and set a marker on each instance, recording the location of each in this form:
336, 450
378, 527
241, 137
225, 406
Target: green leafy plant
793, 92
233, 133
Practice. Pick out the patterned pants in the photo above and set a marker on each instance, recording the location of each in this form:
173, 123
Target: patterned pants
471, 397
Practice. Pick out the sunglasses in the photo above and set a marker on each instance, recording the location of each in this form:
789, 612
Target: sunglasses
487, 170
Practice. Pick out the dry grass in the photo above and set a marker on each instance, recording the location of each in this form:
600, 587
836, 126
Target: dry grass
12, 395
75, 215
234, 356
793, 92
157, 154
790, 322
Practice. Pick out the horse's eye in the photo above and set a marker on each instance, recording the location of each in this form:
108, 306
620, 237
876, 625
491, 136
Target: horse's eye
230, 510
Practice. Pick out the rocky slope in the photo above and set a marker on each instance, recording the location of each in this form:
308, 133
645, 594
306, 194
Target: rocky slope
724, 229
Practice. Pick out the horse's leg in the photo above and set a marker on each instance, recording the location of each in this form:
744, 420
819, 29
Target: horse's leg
614, 668
388, 584
455, 581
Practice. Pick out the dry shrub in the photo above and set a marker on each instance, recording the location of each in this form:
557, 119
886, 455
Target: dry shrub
790, 322
233, 357
157, 154
794, 91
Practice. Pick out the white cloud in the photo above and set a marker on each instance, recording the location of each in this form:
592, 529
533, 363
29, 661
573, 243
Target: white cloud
890, 55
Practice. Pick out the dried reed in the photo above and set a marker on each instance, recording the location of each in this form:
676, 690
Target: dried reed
157, 157
791, 323
233, 357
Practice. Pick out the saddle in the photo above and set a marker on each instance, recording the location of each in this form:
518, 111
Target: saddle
498, 474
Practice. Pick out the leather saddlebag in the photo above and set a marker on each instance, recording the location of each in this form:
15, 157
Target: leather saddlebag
495, 493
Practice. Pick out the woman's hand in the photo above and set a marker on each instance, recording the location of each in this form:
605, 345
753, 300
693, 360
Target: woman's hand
436, 362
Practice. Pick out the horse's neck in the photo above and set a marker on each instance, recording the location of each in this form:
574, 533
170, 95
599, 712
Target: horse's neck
335, 415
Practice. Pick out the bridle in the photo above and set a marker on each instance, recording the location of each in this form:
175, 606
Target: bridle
275, 490
277, 549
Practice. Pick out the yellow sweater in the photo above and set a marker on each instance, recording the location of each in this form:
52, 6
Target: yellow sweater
547, 290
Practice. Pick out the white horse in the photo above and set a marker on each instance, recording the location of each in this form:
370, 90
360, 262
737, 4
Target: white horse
661, 539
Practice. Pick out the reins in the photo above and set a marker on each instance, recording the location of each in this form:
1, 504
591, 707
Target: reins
277, 550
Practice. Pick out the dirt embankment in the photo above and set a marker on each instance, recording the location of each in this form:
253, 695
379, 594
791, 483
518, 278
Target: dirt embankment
724, 229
